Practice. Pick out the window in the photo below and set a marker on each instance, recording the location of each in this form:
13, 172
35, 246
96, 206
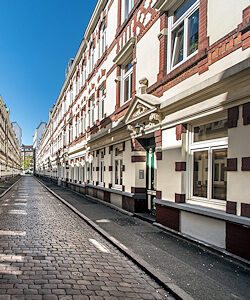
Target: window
127, 82
184, 32
102, 38
101, 167
83, 120
127, 5
118, 165
78, 83
70, 133
71, 94
91, 112
101, 104
84, 74
209, 159
92, 57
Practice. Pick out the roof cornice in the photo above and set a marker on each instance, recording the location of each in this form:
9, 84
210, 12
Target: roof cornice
94, 18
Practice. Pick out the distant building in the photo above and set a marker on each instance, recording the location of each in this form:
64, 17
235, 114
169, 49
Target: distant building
36, 139
10, 155
18, 132
38, 134
27, 158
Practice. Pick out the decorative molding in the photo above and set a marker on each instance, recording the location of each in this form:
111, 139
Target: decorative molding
154, 118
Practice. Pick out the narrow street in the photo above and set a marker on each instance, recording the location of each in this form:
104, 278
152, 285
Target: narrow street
48, 252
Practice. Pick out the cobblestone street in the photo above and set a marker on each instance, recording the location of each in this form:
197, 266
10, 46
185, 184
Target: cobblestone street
48, 252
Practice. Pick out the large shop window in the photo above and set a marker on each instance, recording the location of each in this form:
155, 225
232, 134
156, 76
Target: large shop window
118, 166
183, 33
209, 157
127, 82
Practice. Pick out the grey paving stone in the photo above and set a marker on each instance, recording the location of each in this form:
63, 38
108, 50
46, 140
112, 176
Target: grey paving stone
53, 254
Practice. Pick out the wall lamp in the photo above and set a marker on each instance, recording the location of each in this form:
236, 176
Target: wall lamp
139, 127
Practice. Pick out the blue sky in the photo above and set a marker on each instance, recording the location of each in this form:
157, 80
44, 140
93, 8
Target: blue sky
37, 38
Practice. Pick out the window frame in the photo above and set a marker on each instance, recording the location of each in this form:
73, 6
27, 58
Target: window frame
103, 37
173, 26
119, 159
101, 167
129, 74
125, 10
101, 102
91, 111
207, 145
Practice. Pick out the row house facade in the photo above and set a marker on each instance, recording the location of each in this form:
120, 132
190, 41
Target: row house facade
10, 153
154, 115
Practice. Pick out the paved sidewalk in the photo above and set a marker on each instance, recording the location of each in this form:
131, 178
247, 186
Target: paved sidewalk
196, 270
48, 252
4, 186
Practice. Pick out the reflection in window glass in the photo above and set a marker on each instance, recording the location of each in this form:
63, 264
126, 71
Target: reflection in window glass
177, 55
193, 32
183, 8
116, 171
210, 131
200, 174
219, 183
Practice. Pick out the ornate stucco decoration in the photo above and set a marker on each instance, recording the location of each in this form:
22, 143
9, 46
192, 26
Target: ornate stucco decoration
131, 128
154, 118
139, 109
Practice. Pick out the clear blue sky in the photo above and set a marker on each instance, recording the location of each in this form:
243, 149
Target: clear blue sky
37, 38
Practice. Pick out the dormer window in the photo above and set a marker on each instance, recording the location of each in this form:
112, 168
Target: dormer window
183, 33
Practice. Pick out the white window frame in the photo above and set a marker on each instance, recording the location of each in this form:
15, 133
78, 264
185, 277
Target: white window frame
208, 145
126, 75
126, 7
77, 82
171, 27
84, 73
101, 167
92, 58
101, 103
91, 112
71, 94
83, 120
119, 160
102, 38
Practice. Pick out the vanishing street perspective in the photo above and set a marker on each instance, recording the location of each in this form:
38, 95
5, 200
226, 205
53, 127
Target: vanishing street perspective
138, 184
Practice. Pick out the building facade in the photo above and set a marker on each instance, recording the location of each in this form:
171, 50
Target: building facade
10, 154
154, 115
27, 161
18, 132
36, 140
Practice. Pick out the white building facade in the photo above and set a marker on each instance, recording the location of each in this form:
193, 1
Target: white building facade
10, 153
154, 115
18, 132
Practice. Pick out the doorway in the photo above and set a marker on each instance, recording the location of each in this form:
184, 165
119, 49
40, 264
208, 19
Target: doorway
151, 174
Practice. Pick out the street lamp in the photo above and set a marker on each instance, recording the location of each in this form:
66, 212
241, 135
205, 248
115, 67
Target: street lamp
139, 127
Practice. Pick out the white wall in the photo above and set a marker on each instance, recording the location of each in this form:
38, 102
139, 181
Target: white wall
205, 229
223, 17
